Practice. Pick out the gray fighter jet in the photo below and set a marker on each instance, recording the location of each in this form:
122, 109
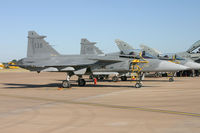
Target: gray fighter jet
172, 57
192, 53
41, 57
127, 52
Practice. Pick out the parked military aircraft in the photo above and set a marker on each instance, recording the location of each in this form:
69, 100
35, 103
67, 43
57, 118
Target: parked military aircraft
41, 57
127, 52
172, 57
192, 53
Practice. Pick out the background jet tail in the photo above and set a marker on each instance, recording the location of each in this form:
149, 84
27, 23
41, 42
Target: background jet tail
38, 47
151, 51
124, 47
89, 48
194, 46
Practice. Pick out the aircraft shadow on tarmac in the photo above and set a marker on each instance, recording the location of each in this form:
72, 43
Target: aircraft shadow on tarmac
22, 86
149, 80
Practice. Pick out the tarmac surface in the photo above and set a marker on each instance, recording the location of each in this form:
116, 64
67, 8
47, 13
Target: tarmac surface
33, 103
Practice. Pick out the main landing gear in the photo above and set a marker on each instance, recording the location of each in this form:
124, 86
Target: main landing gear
115, 78
136, 67
66, 83
81, 81
171, 79
123, 78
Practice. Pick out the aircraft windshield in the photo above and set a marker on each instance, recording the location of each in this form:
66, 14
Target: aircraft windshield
179, 58
147, 55
144, 54
171, 56
136, 53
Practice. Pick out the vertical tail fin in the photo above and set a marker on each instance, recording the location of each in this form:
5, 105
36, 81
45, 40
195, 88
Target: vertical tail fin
151, 51
38, 47
123, 46
194, 46
89, 48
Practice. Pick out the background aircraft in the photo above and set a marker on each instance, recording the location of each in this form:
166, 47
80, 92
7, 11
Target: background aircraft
127, 52
172, 57
192, 53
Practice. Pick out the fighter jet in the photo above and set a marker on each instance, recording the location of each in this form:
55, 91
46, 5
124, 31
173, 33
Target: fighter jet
192, 53
174, 57
127, 52
41, 57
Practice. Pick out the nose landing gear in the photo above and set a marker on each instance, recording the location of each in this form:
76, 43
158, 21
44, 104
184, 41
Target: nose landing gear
171, 79
136, 67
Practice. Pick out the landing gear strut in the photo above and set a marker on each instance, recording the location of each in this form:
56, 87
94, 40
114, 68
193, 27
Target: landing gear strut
139, 81
136, 67
171, 79
66, 83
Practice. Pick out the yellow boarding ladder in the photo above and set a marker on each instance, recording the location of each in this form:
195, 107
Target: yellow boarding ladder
136, 67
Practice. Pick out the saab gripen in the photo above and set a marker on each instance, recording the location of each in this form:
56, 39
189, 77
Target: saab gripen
41, 57
154, 64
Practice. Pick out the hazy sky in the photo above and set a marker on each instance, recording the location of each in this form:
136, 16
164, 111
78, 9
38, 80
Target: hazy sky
168, 25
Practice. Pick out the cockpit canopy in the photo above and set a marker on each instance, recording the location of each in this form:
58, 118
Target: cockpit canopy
170, 56
137, 53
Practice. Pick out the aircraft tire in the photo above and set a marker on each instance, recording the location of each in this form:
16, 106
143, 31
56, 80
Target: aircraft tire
171, 79
81, 82
66, 84
138, 85
106, 77
123, 78
115, 78
91, 77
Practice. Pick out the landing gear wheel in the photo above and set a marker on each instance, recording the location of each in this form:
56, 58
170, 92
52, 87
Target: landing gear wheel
138, 85
91, 77
171, 79
115, 78
101, 78
123, 78
66, 84
106, 77
81, 82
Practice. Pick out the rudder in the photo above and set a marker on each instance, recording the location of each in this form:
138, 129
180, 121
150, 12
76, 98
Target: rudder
38, 47
89, 48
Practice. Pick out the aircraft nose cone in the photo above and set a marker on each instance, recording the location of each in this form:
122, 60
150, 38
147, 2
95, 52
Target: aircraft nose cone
169, 67
192, 65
